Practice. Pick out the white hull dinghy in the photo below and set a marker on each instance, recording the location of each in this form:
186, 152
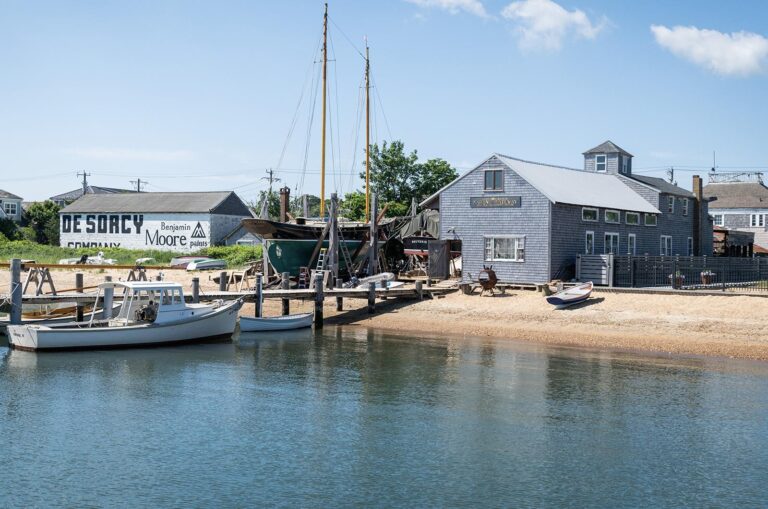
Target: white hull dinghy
152, 314
276, 323
571, 296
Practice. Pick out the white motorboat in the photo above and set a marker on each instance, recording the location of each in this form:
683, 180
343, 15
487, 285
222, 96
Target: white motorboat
152, 314
65, 313
275, 323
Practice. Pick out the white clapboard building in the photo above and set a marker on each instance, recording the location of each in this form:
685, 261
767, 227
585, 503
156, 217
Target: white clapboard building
181, 222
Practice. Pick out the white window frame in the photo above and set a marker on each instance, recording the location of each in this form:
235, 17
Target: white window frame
671, 204
519, 248
485, 179
606, 243
605, 216
11, 208
663, 240
655, 219
689, 244
597, 214
632, 244
685, 206
756, 220
716, 222
634, 214
587, 235
604, 163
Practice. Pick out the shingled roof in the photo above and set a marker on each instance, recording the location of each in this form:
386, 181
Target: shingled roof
11, 196
737, 195
73, 195
219, 202
607, 147
663, 186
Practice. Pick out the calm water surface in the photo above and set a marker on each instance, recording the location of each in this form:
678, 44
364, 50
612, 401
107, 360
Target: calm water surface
356, 418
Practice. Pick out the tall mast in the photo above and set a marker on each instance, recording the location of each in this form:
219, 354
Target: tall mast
322, 158
367, 134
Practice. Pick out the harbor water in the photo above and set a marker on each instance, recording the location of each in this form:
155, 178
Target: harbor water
356, 418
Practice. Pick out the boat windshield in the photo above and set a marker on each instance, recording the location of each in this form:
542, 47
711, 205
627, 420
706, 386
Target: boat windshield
138, 299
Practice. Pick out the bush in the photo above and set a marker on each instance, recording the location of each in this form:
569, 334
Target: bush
28, 233
235, 256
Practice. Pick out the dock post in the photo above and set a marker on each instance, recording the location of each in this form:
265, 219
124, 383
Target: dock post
16, 291
339, 300
371, 297
109, 293
429, 281
79, 289
420, 290
257, 302
285, 284
195, 290
319, 296
222, 281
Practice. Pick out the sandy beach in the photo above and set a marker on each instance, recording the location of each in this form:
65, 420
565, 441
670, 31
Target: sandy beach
723, 326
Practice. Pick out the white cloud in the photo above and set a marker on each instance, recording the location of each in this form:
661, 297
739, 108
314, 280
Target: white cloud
123, 154
736, 54
544, 24
454, 6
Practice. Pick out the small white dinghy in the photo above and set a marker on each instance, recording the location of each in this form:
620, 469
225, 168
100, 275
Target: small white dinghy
571, 296
152, 314
275, 323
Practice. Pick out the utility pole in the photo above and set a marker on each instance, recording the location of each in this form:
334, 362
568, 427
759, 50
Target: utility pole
138, 183
265, 205
85, 181
671, 175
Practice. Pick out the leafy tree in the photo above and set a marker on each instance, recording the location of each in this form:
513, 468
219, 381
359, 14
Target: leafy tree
273, 204
43, 218
9, 229
28, 233
313, 203
433, 175
353, 206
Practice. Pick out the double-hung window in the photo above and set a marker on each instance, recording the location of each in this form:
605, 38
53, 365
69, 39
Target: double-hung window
755, 220
509, 248
631, 244
666, 245
671, 204
611, 243
589, 243
601, 163
685, 206
494, 180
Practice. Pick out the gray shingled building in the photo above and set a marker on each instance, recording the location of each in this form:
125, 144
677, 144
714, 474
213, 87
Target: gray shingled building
739, 202
181, 222
530, 220
10, 206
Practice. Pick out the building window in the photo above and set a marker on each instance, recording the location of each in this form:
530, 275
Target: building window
755, 220
589, 214
10, 208
510, 249
690, 246
589, 243
685, 206
718, 219
611, 243
633, 218
612, 216
666, 245
671, 204
631, 244
494, 180
601, 163
650, 219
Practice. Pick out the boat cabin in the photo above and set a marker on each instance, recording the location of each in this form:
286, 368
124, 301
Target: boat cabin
153, 302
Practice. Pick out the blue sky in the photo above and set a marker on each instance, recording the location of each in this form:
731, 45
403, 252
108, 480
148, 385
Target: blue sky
199, 95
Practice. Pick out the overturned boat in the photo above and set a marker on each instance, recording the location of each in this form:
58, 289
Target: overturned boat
152, 314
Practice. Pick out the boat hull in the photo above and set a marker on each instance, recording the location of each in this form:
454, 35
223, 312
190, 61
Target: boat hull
289, 255
276, 323
218, 324
571, 296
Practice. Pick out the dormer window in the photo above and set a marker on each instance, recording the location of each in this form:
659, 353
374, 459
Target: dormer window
494, 180
601, 163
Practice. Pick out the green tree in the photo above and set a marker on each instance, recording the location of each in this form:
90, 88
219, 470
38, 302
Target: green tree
352, 206
432, 176
43, 218
9, 229
273, 204
313, 204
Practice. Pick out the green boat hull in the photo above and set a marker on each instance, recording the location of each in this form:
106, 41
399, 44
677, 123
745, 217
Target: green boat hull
289, 255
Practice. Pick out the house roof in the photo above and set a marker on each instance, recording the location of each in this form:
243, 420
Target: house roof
663, 186
77, 193
608, 147
737, 195
221, 202
6, 194
571, 186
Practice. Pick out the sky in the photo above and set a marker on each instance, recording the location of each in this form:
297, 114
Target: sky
201, 95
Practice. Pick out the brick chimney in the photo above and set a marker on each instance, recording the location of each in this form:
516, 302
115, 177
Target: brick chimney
285, 195
698, 193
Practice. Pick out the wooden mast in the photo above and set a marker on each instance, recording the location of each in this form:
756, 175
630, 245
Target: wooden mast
367, 135
322, 158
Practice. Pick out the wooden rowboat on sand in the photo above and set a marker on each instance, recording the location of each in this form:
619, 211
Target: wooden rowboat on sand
571, 296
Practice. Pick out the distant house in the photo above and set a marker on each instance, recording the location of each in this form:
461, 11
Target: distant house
530, 220
10, 206
64, 199
739, 202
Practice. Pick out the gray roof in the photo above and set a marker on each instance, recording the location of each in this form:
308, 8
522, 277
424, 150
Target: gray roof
608, 147
6, 194
77, 193
737, 195
663, 186
220, 202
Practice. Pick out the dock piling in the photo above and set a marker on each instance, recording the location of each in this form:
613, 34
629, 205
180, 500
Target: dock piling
16, 292
79, 289
420, 290
223, 281
339, 299
371, 297
109, 293
319, 297
285, 284
195, 290
257, 301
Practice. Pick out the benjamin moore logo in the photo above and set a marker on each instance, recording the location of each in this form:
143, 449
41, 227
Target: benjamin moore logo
198, 232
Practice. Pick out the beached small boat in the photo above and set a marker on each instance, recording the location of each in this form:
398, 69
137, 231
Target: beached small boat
275, 323
152, 314
184, 261
88, 260
207, 264
571, 296
382, 280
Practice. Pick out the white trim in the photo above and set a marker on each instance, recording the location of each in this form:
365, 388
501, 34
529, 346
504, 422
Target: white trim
605, 162
686, 206
757, 220
670, 204
605, 216
645, 222
597, 215
493, 189
517, 248
633, 237
722, 219
605, 243
661, 245
639, 218
587, 234
460, 177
